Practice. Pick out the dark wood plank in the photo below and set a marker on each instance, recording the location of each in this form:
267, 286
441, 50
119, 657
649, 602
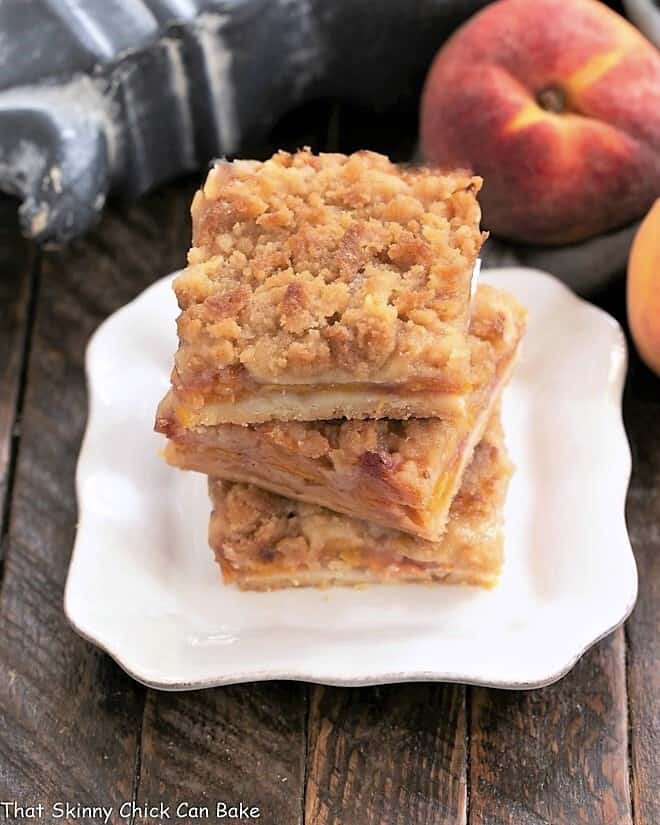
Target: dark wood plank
69, 717
557, 756
240, 744
642, 414
17, 262
243, 743
394, 755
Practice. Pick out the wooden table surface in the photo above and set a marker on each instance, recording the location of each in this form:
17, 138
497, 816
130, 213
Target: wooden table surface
74, 727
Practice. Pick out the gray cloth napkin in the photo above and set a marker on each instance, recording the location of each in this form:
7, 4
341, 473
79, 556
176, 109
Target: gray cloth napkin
585, 267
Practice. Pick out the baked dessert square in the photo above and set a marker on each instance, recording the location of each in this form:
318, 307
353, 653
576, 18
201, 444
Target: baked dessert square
399, 474
326, 286
263, 541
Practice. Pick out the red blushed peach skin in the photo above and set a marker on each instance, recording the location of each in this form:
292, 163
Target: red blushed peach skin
644, 289
557, 106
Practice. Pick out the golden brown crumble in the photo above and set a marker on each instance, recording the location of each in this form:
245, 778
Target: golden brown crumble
324, 268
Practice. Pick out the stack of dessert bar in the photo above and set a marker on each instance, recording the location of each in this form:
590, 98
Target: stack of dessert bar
336, 379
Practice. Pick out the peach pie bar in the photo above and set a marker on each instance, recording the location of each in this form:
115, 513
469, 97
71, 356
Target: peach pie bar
326, 286
263, 541
400, 474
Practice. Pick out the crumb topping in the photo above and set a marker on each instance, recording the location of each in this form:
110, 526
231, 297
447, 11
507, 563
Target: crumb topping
327, 268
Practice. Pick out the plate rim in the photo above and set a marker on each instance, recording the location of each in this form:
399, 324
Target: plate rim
436, 674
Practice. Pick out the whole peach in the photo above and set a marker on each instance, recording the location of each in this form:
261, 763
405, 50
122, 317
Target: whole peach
643, 289
556, 103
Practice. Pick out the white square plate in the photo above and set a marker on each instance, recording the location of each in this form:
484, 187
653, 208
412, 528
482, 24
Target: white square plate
144, 587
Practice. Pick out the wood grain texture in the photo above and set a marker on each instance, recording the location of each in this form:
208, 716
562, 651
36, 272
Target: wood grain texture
554, 756
244, 743
392, 755
69, 718
642, 414
17, 262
